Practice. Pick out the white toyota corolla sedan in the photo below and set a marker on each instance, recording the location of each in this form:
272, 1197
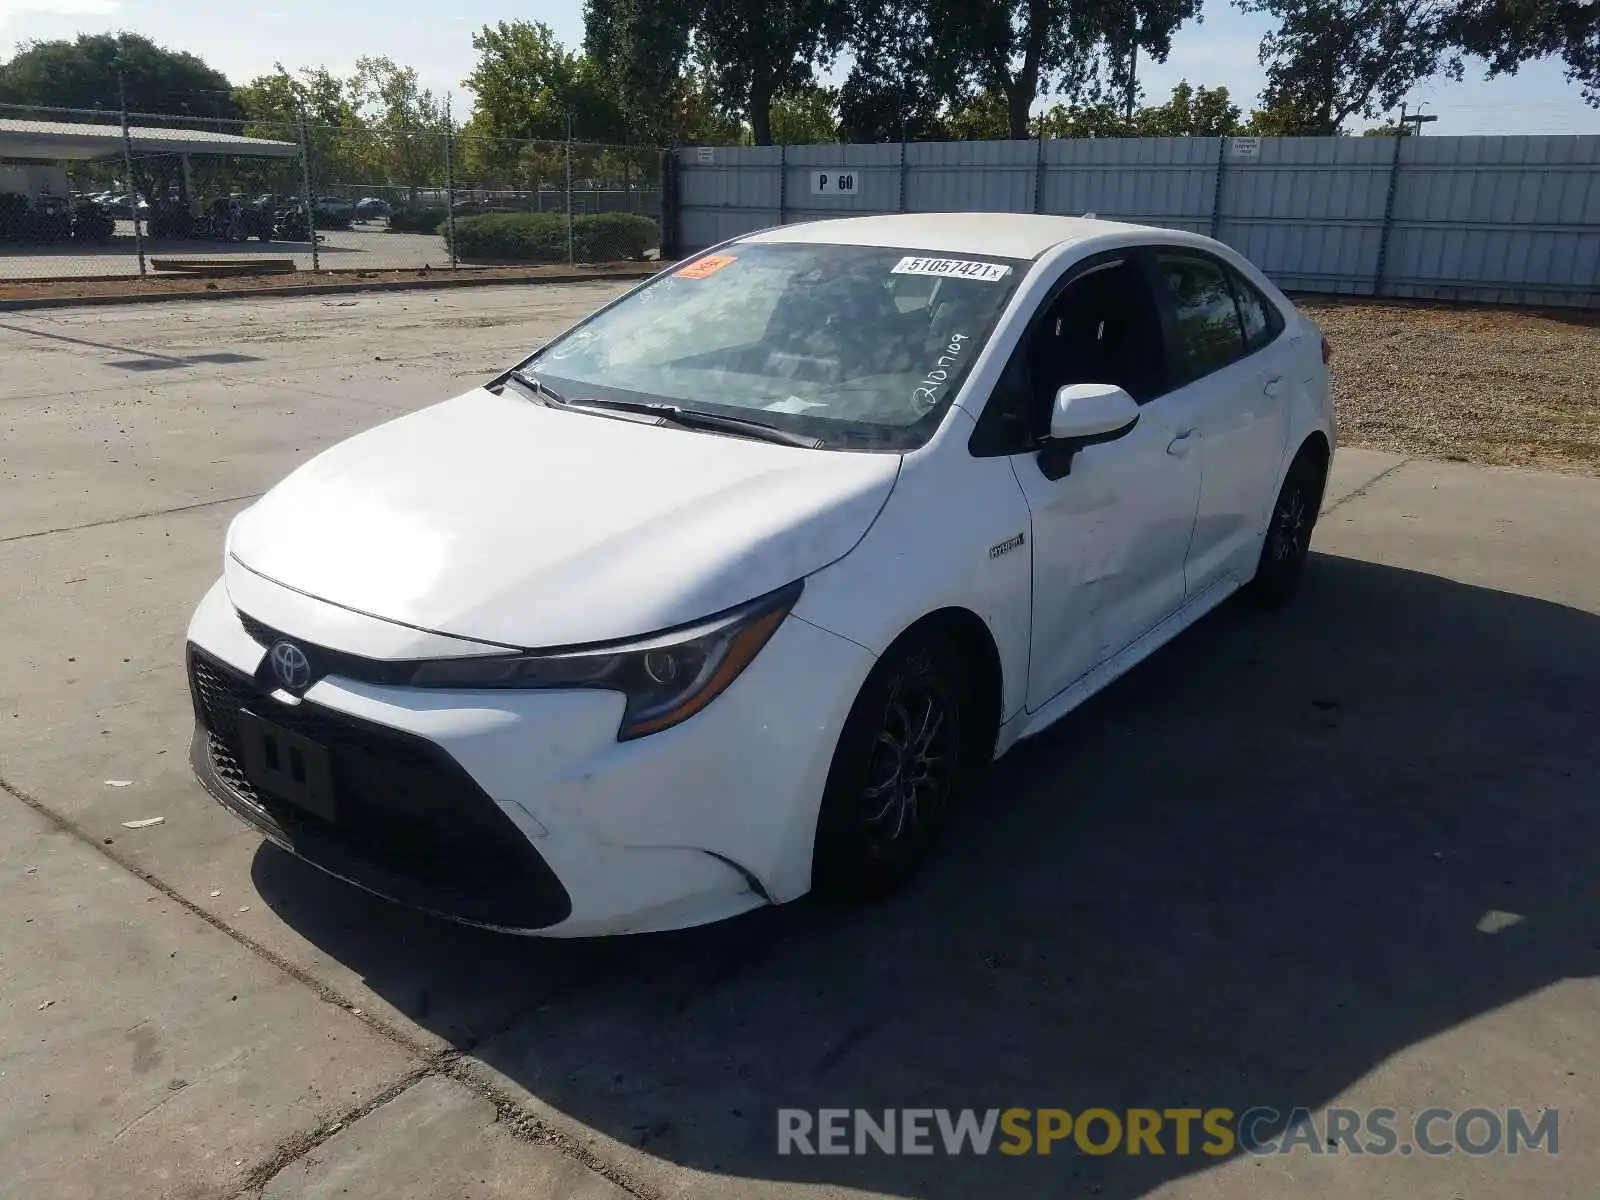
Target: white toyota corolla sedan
736, 588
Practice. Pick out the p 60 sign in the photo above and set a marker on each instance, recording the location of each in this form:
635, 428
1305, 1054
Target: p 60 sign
833, 183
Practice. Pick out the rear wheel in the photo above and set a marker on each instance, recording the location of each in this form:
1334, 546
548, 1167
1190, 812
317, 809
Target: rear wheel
1288, 541
911, 748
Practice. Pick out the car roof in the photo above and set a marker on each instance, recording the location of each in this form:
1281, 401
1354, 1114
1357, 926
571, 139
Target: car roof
1005, 235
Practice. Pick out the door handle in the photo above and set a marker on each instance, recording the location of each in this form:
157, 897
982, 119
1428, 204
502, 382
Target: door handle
1274, 386
1179, 445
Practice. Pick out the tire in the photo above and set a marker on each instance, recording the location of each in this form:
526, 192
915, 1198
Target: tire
913, 746
1288, 539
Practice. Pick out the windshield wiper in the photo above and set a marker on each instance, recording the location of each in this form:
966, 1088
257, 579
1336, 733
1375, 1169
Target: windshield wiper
693, 418
535, 385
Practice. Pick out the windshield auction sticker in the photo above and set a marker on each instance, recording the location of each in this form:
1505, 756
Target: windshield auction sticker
701, 267
952, 268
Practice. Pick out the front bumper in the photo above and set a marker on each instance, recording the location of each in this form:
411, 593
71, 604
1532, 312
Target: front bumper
411, 824
520, 810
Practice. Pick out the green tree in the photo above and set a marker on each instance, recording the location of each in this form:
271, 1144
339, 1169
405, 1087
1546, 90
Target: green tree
805, 115
694, 115
405, 123
755, 51
280, 98
984, 117
85, 73
748, 51
902, 78
1329, 61
1284, 115
641, 49
1100, 119
1389, 129
1511, 32
528, 85
1022, 49
1190, 112
340, 144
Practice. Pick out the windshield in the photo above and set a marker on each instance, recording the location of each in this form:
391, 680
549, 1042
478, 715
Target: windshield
858, 346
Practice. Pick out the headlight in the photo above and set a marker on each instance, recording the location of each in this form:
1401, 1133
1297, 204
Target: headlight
666, 678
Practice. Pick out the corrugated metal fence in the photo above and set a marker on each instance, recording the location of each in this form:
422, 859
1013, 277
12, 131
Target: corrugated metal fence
1503, 219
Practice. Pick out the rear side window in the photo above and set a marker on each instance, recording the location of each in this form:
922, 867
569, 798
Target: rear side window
1260, 317
1208, 328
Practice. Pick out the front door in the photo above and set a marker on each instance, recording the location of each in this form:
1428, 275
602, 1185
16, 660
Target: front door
1110, 536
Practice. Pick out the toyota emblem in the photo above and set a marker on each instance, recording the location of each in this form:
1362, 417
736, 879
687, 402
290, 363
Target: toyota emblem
290, 665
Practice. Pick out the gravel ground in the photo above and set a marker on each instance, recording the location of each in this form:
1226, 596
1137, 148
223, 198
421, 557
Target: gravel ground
1509, 387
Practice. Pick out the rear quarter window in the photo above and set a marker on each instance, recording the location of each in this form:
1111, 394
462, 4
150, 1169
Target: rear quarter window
1260, 317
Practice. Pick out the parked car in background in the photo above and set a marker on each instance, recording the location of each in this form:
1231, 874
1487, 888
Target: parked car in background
736, 588
120, 205
371, 208
333, 212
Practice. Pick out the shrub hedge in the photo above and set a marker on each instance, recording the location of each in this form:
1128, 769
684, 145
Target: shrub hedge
542, 237
416, 220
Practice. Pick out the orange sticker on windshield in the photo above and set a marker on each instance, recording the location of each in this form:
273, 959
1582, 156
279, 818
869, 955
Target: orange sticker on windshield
701, 267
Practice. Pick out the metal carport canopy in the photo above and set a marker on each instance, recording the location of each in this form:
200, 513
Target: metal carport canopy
58, 140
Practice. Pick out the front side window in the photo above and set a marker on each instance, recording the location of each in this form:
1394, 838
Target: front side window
860, 346
1099, 330
1209, 336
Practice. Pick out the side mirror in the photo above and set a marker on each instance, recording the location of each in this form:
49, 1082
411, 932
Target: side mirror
1092, 411
1085, 414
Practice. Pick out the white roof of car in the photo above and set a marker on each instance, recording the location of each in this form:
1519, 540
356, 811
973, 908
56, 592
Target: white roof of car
1005, 235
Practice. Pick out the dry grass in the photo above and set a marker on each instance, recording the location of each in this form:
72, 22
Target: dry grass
1512, 387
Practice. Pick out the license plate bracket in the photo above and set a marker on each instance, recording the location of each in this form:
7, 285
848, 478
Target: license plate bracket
291, 767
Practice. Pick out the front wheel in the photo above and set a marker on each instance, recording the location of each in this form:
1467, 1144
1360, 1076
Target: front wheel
1288, 542
911, 748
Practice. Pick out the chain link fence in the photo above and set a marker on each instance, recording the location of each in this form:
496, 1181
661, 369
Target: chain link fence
87, 194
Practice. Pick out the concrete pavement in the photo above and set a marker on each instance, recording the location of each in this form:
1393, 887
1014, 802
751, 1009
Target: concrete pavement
1340, 855
367, 246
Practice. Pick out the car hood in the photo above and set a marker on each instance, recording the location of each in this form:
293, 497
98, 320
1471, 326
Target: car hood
495, 518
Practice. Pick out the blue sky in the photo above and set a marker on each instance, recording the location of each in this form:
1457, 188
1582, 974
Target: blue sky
245, 40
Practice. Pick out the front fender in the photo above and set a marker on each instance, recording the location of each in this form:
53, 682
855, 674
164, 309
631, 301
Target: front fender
954, 533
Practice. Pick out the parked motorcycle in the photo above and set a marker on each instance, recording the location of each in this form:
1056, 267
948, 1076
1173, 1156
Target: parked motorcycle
289, 224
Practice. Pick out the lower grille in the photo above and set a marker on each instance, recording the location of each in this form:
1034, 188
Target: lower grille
410, 823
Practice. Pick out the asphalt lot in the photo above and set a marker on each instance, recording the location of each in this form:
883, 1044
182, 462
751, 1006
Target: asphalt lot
1341, 855
363, 246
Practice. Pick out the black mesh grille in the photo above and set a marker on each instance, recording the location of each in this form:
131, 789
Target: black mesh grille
410, 823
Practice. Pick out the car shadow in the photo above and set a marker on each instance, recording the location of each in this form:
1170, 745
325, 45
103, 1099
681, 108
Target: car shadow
1246, 874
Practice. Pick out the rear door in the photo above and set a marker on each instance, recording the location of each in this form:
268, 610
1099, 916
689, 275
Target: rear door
1228, 362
